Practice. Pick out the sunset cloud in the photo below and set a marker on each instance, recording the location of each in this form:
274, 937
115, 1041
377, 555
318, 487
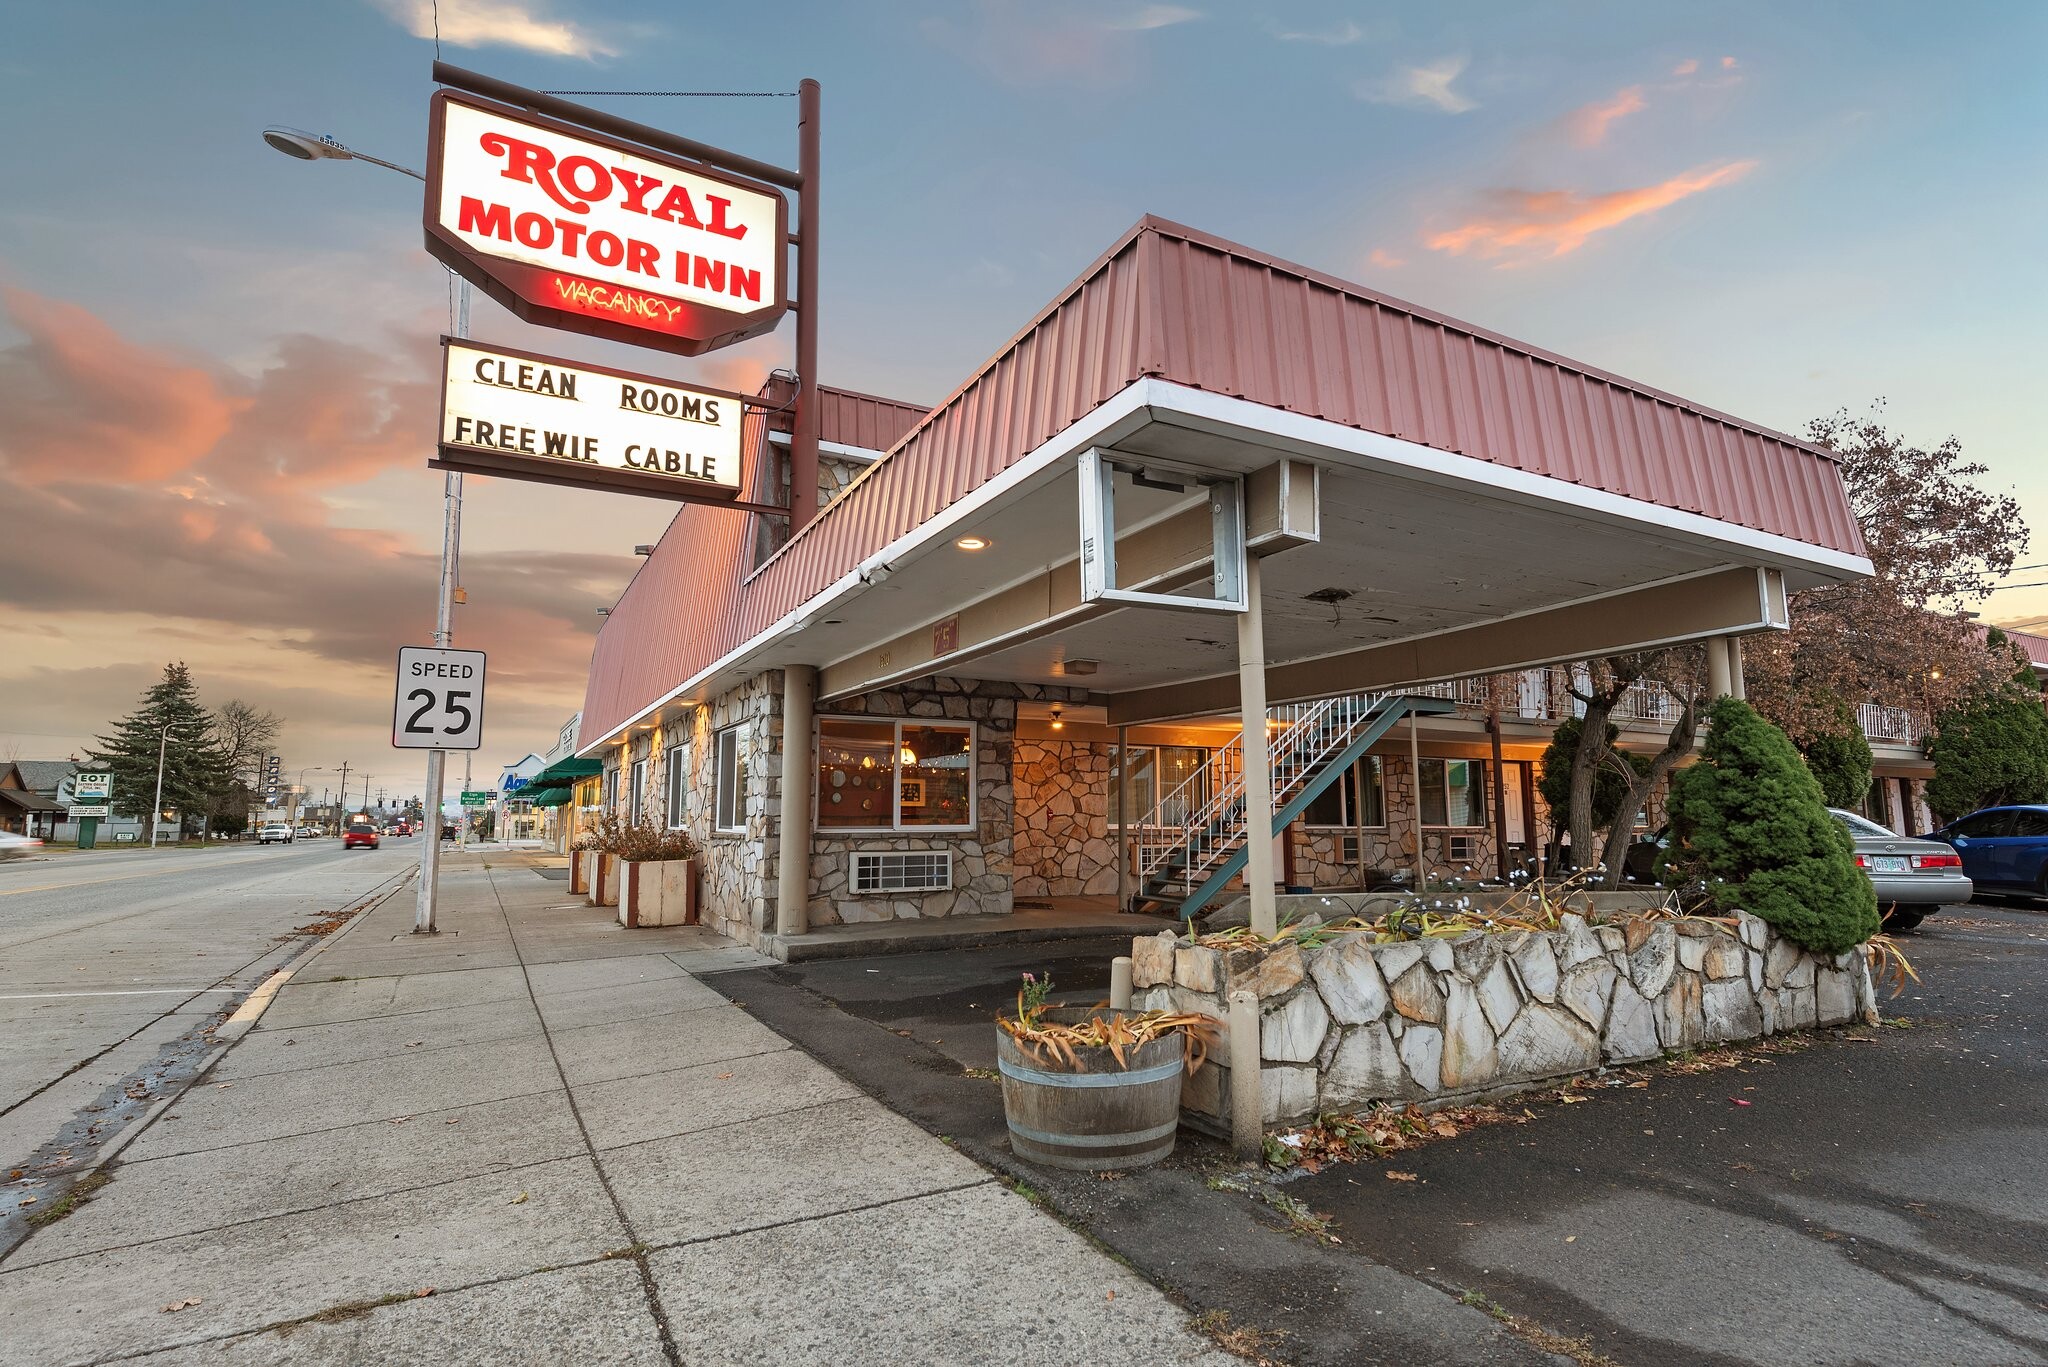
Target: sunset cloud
1686, 67
1420, 86
1385, 259
1588, 123
495, 23
1525, 225
1341, 34
1151, 17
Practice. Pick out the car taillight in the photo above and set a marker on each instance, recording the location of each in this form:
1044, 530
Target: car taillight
1862, 861
1937, 861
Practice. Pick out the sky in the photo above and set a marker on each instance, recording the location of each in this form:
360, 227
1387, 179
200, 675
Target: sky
217, 364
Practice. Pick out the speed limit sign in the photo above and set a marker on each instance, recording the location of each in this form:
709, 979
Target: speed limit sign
440, 699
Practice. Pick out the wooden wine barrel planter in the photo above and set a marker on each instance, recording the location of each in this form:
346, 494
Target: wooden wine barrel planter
1101, 1117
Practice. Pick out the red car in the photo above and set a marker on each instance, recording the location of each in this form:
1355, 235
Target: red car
359, 833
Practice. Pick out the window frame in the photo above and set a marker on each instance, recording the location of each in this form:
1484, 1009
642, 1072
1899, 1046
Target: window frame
1347, 799
1478, 768
675, 796
608, 798
728, 782
636, 790
1152, 812
897, 826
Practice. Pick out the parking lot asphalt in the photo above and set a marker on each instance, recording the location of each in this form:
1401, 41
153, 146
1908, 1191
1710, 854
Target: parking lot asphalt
1879, 1199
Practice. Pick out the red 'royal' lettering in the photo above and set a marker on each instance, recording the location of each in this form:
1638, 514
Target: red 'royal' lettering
533, 164
637, 188
677, 208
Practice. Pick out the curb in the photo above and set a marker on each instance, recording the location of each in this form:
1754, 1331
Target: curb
230, 1033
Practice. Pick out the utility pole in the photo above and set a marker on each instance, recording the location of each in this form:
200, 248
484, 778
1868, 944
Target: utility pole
344, 792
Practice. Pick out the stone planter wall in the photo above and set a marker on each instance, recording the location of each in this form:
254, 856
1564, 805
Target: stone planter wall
1436, 1021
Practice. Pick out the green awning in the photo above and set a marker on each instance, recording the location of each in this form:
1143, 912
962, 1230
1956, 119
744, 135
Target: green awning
565, 771
546, 797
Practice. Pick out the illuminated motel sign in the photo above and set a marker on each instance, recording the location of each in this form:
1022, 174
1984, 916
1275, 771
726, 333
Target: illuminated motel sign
574, 229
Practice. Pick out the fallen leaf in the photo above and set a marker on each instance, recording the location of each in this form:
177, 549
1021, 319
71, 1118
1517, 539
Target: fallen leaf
904, 1033
1110, 1297
725, 1077
1571, 1238
1568, 1099
1393, 1176
518, 1200
456, 1121
222, 1086
424, 1291
1643, 1083
1738, 1101
28, 1200
414, 1043
1649, 1132
175, 1306
398, 1120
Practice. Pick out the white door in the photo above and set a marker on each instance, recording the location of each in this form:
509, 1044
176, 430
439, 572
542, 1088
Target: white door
1517, 819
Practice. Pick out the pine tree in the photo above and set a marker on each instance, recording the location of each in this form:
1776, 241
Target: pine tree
1750, 819
1840, 759
194, 770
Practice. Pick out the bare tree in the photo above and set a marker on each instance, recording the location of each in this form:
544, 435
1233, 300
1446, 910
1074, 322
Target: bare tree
1600, 686
245, 734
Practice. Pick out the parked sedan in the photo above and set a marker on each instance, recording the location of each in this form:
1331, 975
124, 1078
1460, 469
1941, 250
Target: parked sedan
2003, 847
1911, 877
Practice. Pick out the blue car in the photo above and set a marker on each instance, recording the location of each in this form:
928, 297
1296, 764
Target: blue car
2002, 847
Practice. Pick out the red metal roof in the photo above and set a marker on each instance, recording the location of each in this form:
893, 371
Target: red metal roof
1183, 306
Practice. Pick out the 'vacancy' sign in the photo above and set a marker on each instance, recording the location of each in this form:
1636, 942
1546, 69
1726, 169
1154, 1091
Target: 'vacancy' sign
516, 414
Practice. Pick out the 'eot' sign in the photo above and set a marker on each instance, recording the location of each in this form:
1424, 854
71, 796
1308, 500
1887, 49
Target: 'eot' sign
574, 229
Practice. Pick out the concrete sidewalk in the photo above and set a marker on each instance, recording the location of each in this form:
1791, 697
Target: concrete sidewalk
585, 1152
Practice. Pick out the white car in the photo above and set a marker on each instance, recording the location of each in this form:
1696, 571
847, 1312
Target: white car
274, 833
14, 846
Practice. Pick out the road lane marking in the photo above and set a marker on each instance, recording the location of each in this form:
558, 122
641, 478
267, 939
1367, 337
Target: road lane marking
260, 998
137, 992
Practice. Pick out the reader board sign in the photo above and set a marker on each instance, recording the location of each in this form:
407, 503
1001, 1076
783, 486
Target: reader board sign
78, 812
522, 415
92, 787
440, 699
571, 228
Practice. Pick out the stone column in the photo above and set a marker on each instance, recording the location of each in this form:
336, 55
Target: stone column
799, 766
1258, 777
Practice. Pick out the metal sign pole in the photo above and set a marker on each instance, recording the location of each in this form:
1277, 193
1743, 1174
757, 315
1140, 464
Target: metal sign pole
803, 443
444, 635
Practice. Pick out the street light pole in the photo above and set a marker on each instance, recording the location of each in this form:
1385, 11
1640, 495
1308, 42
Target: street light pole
308, 147
156, 812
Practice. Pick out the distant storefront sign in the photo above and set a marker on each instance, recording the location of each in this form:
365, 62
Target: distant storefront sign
513, 413
574, 229
92, 787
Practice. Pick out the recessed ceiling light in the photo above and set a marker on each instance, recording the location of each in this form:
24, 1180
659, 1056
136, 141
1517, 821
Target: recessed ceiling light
973, 543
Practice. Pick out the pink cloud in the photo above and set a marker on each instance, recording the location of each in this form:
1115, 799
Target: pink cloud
1385, 259
1727, 64
1589, 123
1535, 224
1686, 67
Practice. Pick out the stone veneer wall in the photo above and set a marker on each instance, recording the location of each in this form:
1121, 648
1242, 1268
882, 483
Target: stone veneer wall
1063, 847
1434, 1021
982, 858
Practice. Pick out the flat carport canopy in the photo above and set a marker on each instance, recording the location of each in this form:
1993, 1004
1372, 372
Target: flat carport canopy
1425, 500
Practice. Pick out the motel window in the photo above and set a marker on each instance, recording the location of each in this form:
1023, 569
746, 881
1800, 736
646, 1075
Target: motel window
728, 813
1167, 785
675, 770
1346, 804
636, 793
1453, 792
889, 776
611, 789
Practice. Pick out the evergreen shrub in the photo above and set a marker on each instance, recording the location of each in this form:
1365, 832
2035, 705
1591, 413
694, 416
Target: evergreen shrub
1750, 820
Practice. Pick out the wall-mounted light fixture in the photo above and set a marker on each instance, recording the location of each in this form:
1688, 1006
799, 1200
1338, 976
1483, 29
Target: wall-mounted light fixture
1057, 723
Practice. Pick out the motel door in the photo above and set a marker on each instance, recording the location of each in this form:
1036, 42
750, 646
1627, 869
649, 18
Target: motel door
1514, 808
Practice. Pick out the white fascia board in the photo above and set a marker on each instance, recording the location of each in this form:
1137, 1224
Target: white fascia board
1321, 438
1088, 432
865, 454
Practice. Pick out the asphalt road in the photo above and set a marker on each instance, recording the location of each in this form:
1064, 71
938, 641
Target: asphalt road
113, 966
1882, 1198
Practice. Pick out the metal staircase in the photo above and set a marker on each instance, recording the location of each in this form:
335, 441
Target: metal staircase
1310, 745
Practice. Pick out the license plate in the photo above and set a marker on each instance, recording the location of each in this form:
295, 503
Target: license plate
1888, 863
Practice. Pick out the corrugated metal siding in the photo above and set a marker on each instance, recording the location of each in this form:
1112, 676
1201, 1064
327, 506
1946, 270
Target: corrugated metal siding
864, 420
1171, 302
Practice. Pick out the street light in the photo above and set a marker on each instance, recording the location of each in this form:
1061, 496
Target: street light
156, 812
305, 146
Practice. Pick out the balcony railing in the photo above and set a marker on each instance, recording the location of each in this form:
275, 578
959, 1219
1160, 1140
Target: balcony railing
1889, 723
1546, 695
